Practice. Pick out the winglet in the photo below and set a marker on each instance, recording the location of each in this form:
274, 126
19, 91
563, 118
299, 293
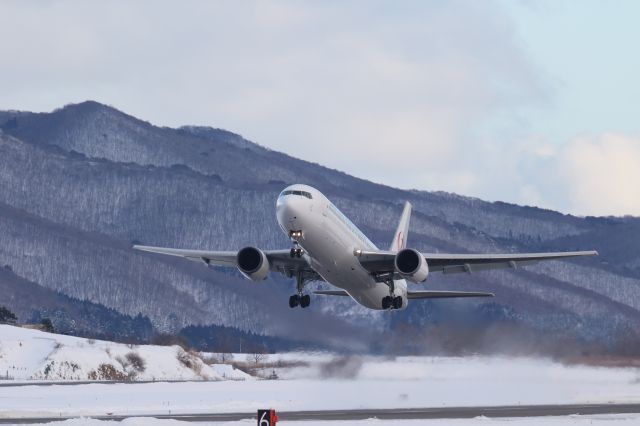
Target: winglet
400, 237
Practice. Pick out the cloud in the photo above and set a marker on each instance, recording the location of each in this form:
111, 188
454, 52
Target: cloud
592, 175
393, 92
418, 94
603, 174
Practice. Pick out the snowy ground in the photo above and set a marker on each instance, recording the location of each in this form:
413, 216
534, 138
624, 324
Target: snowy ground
376, 383
462, 389
595, 420
31, 354
307, 382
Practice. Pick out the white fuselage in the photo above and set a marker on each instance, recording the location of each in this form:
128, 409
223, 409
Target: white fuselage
329, 240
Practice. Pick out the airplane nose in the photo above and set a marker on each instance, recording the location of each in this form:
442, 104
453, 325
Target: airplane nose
283, 212
287, 214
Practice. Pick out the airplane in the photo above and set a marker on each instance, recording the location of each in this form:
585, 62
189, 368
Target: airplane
328, 247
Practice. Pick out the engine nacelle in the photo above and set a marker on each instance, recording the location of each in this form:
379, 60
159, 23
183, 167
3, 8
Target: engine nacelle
411, 265
253, 263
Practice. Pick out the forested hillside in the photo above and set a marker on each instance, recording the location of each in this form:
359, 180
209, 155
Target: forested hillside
80, 185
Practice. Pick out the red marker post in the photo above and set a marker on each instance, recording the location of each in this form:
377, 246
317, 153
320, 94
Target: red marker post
267, 417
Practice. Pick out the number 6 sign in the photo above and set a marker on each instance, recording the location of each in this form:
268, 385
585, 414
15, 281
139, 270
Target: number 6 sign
267, 417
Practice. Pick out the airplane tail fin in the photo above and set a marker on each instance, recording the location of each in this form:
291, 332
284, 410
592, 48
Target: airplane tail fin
400, 237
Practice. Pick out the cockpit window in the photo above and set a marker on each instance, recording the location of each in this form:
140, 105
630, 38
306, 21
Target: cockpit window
300, 193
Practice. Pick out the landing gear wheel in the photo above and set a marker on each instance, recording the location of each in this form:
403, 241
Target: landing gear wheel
299, 300
294, 301
305, 301
295, 252
397, 302
387, 301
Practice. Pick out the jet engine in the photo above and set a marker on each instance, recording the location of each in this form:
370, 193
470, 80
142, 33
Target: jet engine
411, 265
253, 263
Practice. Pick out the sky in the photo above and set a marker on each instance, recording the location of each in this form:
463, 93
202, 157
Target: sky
529, 102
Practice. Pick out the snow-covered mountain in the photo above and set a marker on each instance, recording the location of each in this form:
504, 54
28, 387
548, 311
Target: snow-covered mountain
79, 185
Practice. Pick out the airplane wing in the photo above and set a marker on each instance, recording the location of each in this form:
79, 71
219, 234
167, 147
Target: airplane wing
381, 262
279, 260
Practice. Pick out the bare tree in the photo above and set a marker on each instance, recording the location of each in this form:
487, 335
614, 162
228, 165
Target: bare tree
226, 357
257, 358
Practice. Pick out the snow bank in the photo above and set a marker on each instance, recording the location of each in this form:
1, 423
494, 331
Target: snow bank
309, 381
34, 355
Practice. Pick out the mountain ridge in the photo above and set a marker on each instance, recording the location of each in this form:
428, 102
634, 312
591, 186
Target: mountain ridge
113, 177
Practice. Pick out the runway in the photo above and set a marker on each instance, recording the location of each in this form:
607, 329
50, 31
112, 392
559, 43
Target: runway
384, 414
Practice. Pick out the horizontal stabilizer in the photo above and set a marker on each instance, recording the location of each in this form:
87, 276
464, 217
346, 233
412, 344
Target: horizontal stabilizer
332, 292
418, 294
445, 294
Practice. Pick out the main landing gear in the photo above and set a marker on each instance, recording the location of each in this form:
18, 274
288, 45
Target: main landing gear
391, 301
303, 300
300, 299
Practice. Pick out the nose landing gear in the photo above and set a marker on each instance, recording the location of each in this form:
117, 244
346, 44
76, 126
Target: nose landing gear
299, 299
296, 251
